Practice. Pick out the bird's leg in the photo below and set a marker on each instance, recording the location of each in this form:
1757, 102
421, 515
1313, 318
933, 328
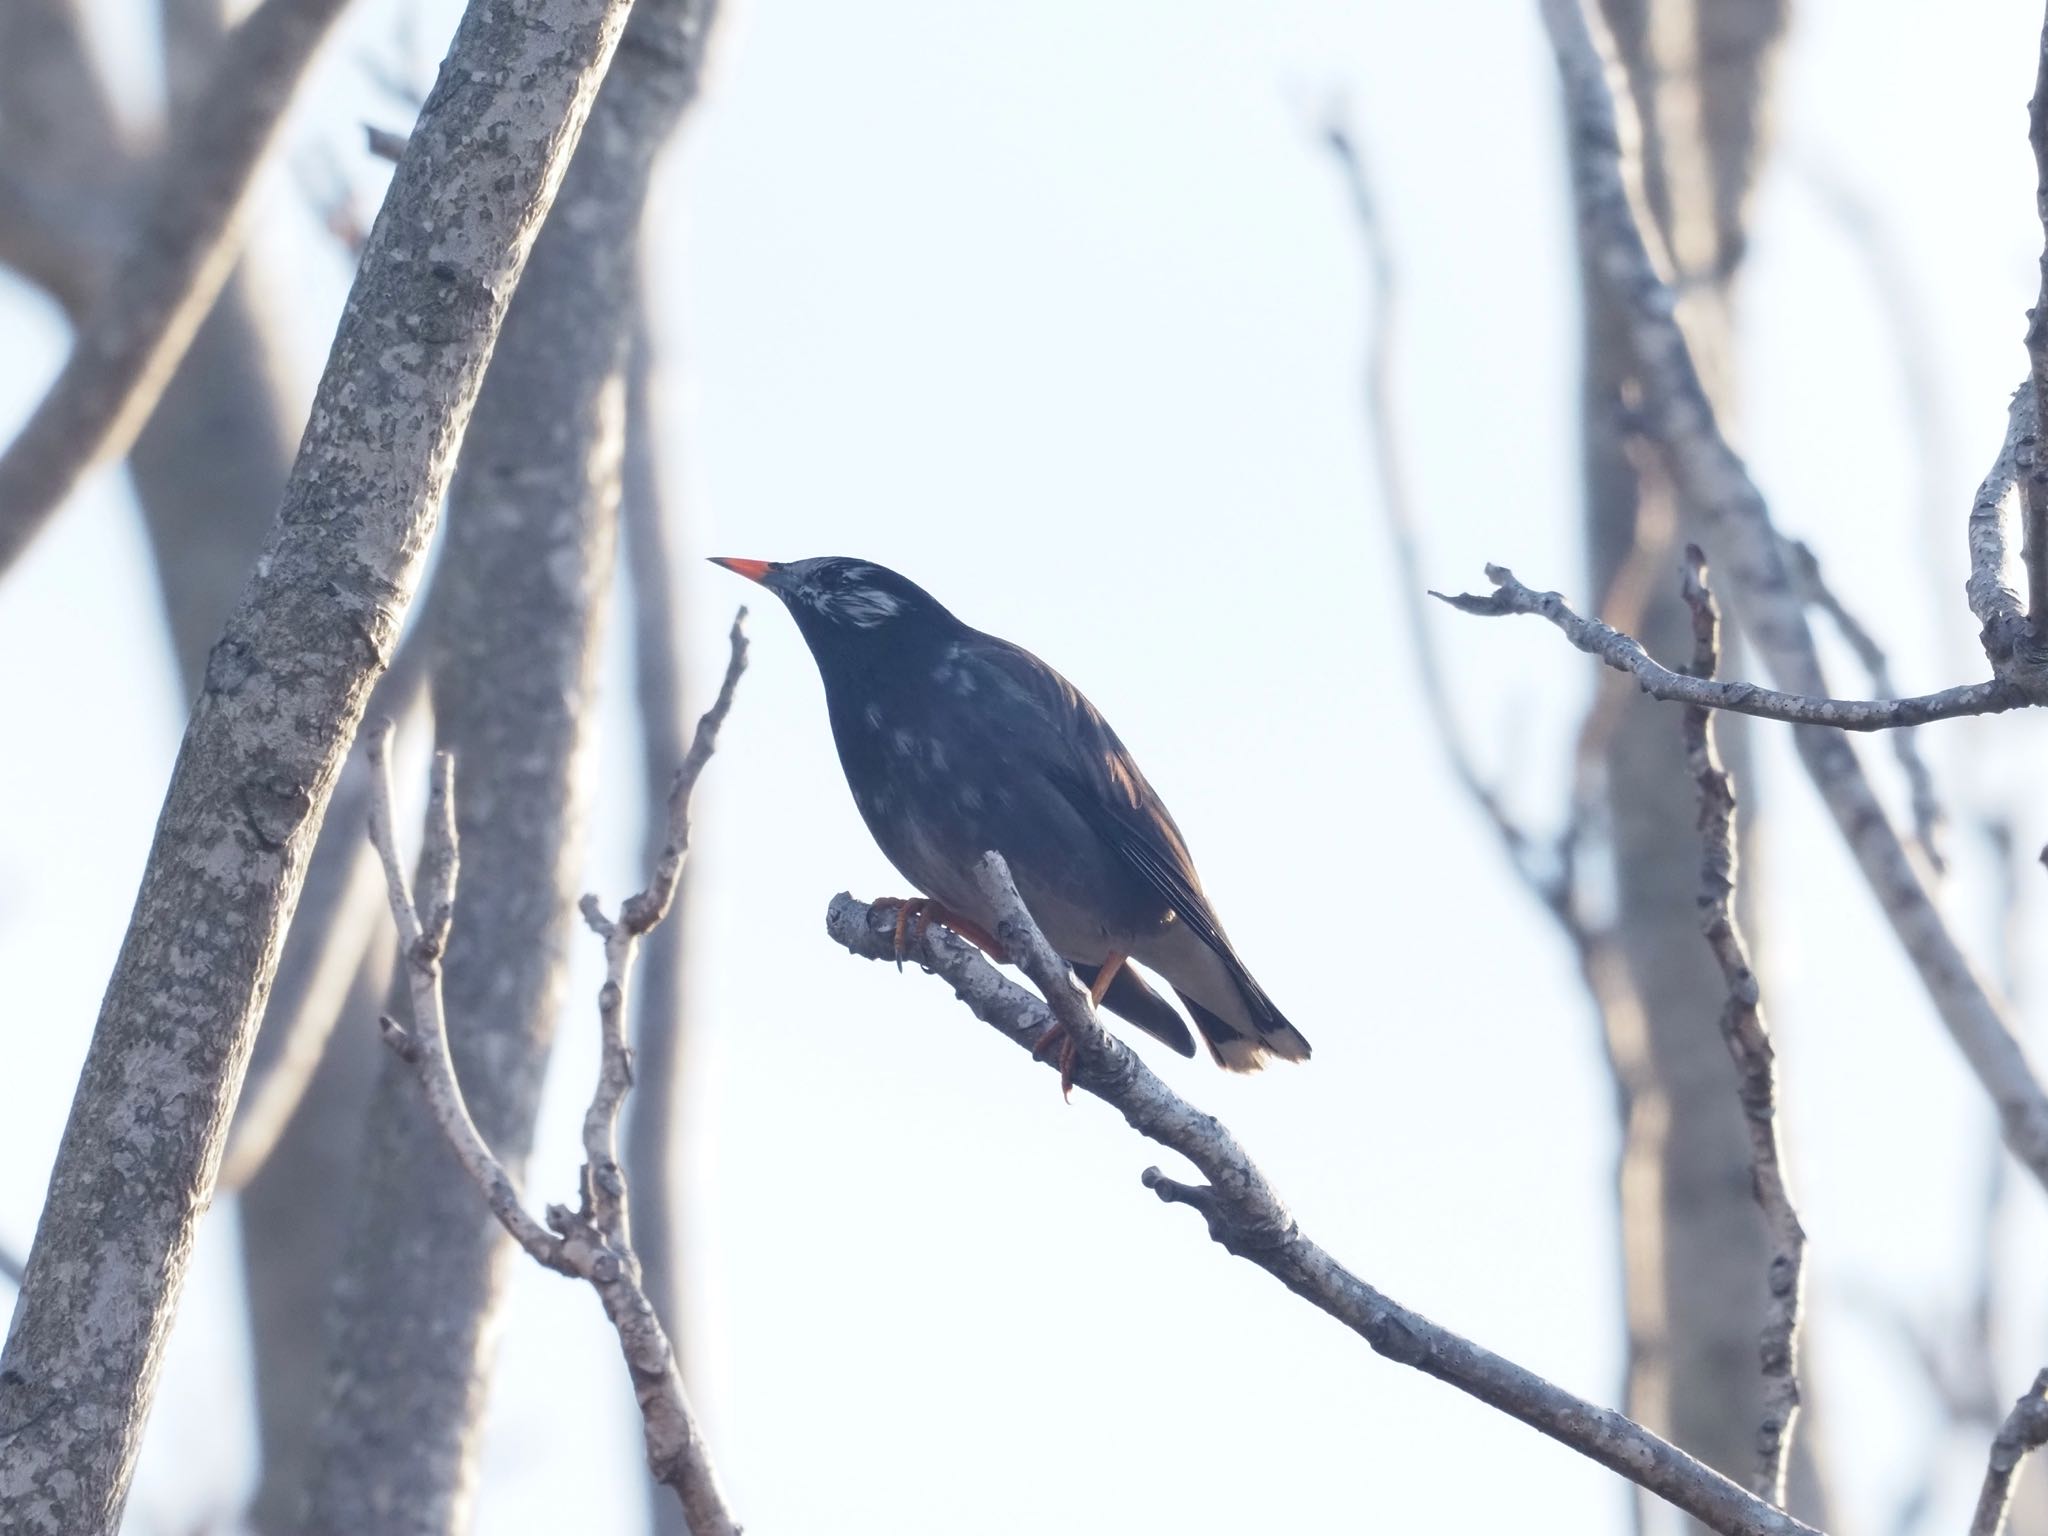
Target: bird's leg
1069, 1058
910, 920
1105, 976
1059, 1035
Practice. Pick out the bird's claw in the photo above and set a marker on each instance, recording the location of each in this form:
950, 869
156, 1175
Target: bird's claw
1069, 1057
912, 912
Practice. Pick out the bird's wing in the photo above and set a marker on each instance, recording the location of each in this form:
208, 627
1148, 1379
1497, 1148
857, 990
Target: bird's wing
1094, 773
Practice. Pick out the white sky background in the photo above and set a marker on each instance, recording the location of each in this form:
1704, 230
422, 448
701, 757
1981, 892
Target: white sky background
1057, 309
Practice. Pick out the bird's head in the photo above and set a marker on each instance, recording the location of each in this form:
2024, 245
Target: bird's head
835, 599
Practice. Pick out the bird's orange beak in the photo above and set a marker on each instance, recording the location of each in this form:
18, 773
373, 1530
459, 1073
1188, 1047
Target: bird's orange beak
753, 570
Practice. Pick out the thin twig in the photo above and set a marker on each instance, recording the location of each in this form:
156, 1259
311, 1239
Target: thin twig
383, 142
2024, 1431
1544, 865
592, 1242
1248, 1219
1749, 1043
1929, 821
131, 341
1624, 653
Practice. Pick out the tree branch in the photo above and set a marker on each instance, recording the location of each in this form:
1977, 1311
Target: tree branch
1749, 1043
1715, 482
284, 694
130, 341
2024, 1431
1246, 1216
1625, 654
593, 1242
1992, 598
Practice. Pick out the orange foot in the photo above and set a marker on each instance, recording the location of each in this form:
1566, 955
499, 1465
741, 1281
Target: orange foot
1058, 1036
1061, 1037
913, 912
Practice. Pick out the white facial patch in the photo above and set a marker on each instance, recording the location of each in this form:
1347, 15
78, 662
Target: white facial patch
862, 607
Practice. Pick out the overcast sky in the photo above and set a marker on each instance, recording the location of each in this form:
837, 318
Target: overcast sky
1057, 309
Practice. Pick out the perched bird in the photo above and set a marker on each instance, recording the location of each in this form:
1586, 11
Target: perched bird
955, 743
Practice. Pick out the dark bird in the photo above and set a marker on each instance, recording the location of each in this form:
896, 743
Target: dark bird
955, 743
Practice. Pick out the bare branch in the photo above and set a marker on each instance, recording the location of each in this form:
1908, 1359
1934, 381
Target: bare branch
11, 1267
383, 142
1246, 1216
593, 1242
1625, 654
1749, 1043
425, 1046
283, 696
1929, 822
131, 340
2024, 1431
643, 911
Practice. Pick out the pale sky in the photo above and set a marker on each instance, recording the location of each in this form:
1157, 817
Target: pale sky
1057, 310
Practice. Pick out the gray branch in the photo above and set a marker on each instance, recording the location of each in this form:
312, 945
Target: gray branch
1749, 1043
131, 340
1626, 654
592, 1242
284, 694
1247, 1218
2024, 1431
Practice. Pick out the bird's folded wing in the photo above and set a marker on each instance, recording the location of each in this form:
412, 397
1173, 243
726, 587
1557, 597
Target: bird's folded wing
1096, 775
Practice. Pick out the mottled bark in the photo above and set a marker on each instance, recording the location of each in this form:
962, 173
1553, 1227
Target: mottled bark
294, 1234
517, 611
283, 694
1695, 1254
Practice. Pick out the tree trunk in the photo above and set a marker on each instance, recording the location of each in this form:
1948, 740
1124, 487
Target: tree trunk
284, 692
1694, 1241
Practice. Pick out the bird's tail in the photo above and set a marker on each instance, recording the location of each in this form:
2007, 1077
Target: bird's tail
1129, 998
1245, 1050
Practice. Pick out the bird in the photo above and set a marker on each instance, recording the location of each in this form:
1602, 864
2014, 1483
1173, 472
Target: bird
955, 743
